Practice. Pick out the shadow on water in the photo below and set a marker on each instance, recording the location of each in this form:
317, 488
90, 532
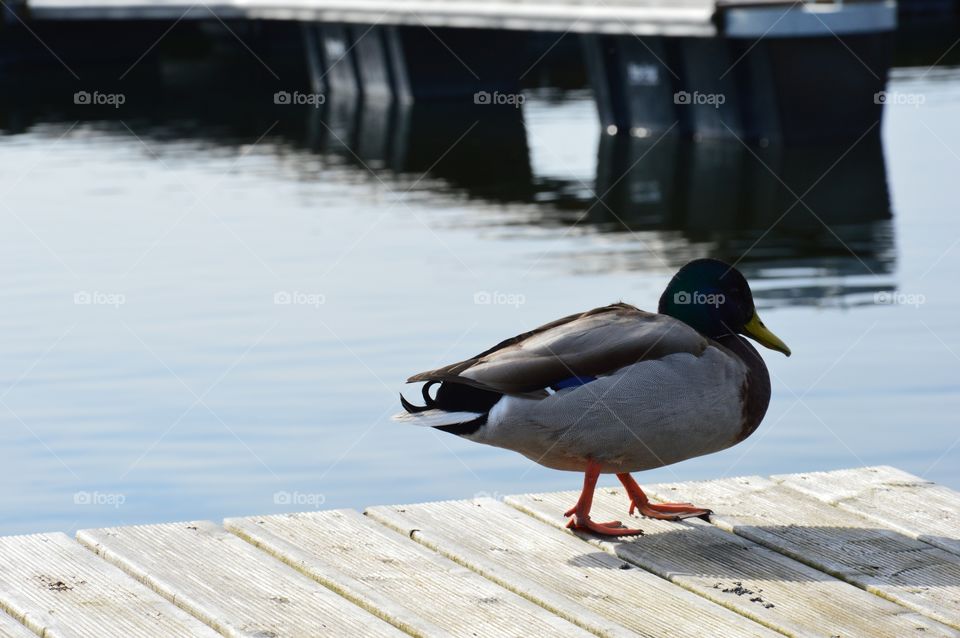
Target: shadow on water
810, 224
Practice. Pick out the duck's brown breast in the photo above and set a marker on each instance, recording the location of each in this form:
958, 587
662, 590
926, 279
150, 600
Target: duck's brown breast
755, 390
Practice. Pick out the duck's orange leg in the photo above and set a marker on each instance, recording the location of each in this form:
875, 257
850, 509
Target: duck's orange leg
663, 511
581, 511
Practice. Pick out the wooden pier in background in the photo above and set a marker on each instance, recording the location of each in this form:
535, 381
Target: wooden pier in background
863, 552
758, 70
636, 17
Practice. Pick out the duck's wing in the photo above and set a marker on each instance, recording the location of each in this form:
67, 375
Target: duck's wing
593, 343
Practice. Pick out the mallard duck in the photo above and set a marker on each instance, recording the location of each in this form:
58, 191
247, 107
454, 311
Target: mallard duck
616, 390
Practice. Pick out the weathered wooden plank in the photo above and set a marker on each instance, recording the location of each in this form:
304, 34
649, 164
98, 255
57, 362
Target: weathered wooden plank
846, 545
10, 628
738, 573
891, 497
560, 572
394, 577
58, 589
230, 584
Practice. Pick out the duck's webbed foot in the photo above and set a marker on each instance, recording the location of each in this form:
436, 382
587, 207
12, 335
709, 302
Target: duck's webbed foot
671, 511
611, 528
580, 512
573, 525
662, 511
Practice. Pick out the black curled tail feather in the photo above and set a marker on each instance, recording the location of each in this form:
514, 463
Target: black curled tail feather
454, 397
429, 402
411, 408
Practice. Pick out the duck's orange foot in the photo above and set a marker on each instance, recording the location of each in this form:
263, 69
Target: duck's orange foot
573, 512
662, 511
611, 528
670, 511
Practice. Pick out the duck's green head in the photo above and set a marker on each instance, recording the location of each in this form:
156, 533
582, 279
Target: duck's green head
715, 299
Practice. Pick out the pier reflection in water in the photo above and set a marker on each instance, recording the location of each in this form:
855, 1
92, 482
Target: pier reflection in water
782, 213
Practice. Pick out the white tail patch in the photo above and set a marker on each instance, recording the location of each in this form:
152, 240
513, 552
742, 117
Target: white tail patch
435, 418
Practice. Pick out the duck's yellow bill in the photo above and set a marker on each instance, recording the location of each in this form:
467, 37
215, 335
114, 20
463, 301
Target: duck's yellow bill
759, 333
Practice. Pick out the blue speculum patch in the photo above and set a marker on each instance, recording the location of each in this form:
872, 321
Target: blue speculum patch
572, 382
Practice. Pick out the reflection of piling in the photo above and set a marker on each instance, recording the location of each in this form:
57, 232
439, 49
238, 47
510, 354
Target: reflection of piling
721, 185
484, 148
823, 206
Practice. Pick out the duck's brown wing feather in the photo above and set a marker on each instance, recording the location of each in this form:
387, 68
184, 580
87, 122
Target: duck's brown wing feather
591, 343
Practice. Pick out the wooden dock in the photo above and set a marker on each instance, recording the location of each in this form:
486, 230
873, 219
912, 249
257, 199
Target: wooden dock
757, 70
740, 18
863, 552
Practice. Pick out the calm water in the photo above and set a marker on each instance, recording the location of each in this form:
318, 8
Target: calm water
148, 372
